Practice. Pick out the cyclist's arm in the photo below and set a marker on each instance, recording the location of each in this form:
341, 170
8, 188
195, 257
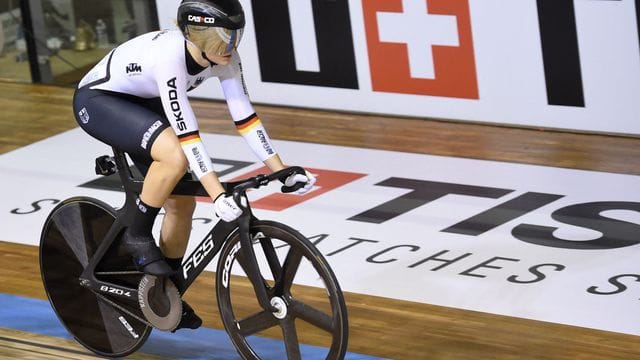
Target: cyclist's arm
172, 87
244, 116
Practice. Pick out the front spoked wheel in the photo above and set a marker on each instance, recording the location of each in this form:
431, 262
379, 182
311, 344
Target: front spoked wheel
309, 306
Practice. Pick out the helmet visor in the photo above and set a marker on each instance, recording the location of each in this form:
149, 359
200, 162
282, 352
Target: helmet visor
215, 40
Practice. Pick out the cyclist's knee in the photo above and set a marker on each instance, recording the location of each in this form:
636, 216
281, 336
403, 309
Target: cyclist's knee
177, 161
166, 150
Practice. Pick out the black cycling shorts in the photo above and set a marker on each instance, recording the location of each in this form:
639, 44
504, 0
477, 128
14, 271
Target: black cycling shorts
126, 122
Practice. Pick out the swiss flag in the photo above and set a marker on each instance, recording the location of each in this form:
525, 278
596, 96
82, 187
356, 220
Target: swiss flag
454, 65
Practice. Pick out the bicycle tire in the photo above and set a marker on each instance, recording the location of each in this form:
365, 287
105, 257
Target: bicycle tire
70, 236
311, 313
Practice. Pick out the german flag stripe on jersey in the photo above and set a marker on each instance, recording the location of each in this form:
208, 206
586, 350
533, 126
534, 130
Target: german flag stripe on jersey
248, 124
189, 138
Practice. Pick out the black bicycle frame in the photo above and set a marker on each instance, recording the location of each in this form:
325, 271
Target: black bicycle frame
196, 262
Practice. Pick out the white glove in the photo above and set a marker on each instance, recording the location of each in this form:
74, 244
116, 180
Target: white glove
308, 179
226, 208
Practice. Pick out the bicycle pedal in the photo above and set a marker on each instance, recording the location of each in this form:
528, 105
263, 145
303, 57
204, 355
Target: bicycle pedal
189, 320
160, 304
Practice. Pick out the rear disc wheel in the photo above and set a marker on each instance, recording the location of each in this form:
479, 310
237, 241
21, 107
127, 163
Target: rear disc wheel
103, 324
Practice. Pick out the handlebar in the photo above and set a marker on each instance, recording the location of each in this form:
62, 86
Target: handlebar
237, 189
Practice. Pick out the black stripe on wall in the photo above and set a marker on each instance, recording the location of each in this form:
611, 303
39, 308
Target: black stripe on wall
334, 43
638, 19
560, 52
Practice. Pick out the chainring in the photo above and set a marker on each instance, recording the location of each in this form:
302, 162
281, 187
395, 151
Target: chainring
163, 309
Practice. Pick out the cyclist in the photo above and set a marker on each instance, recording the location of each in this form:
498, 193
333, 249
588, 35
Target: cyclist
136, 100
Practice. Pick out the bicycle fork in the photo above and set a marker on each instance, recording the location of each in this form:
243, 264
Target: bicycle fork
251, 264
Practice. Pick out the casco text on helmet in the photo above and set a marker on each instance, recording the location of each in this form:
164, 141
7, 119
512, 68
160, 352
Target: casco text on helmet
227, 14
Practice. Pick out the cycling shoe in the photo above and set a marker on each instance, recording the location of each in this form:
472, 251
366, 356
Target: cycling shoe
146, 255
189, 320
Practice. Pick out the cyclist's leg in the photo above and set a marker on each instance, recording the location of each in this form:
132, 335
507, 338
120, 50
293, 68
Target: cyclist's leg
174, 237
176, 225
168, 166
130, 124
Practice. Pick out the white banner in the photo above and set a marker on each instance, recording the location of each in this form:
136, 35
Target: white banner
536, 242
564, 64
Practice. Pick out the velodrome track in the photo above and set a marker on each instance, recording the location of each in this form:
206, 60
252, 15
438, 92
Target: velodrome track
381, 326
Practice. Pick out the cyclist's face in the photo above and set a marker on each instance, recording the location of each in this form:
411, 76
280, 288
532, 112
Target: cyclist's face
219, 43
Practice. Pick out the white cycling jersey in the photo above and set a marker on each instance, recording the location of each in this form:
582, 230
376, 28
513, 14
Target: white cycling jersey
155, 65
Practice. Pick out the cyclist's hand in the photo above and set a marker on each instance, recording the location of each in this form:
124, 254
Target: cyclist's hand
226, 208
305, 182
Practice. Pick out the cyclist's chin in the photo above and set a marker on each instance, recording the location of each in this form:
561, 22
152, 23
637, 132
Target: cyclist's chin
220, 59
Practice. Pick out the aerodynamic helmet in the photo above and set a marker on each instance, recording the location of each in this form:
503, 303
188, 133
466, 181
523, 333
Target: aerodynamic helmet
213, 25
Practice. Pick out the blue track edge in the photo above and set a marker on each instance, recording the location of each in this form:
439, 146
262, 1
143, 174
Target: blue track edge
37, 316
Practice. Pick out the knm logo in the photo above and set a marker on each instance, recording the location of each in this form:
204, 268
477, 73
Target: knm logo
134, 68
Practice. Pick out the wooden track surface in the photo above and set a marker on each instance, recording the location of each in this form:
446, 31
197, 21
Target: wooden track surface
23, 345
379, 326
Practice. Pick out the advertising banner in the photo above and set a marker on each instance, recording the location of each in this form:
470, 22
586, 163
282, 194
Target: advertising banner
569, 64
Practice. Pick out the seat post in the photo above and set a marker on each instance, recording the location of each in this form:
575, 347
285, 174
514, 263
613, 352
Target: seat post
131, 186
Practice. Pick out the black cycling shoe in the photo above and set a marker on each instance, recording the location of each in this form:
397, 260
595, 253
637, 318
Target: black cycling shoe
146, 255
189, 320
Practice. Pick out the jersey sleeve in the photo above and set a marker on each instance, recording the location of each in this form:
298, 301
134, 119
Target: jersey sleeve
172, 83
242, 112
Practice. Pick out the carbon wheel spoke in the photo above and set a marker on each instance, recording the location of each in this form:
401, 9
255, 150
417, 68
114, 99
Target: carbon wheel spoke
256, 323
291, 338
290, 268
312, 315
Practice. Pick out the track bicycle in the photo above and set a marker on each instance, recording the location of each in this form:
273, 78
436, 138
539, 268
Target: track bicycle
110, 307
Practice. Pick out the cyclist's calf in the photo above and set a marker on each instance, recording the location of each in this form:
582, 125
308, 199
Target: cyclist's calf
176, 225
